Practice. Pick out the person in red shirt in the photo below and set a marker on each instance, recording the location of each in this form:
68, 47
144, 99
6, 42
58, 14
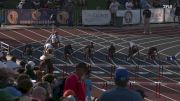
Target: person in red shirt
76, 83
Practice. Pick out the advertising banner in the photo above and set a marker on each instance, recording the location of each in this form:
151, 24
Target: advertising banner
62, 17
157, 15
170, 15
96, 17
129, 16
30, 16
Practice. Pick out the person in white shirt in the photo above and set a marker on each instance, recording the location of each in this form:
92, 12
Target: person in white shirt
129, 5
131, 44
55, 39
20, 5
48, 46
113, 9
133, 49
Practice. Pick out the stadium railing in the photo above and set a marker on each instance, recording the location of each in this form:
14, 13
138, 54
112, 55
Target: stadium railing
5, 47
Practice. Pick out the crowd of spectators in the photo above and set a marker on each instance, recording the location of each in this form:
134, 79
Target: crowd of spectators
31, 4
137, 4
51, 4
22, 80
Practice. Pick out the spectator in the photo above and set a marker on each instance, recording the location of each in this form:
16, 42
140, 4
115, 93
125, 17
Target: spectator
129, 5
69, 92
37, 4
121, 92
177, 11
3, 56
20, 70
29, 71
78, 85
88, 84
25, 4
2, 64
144, 3
7, 84
39, 75
136, 4
50, 79
5, 96
22, 77
47, 87
20, 5
146, 17
39, 93
21, 63
69, 98
108, 3
113, 9
82, 3
172, 12
11, 62
46, 62
32, 64
156, 3
25, 86
70, 8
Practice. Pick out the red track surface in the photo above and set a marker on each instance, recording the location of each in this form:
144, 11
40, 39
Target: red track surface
20, 36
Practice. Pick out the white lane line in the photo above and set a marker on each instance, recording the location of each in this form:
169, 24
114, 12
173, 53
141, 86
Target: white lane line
12, 38
157, 93
166, 69
169, 48
35, 33
35, 41
23, 43
58, 48
150, 63
144, 86
177, 54
160, 44
138, 45
16, 41
148, 41
74, 42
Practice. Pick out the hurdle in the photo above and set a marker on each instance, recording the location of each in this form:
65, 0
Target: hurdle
4, 47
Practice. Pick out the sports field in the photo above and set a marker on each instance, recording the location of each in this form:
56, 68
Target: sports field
145, 74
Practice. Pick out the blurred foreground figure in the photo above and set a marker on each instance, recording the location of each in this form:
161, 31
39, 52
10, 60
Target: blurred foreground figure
121, 92
75, 81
